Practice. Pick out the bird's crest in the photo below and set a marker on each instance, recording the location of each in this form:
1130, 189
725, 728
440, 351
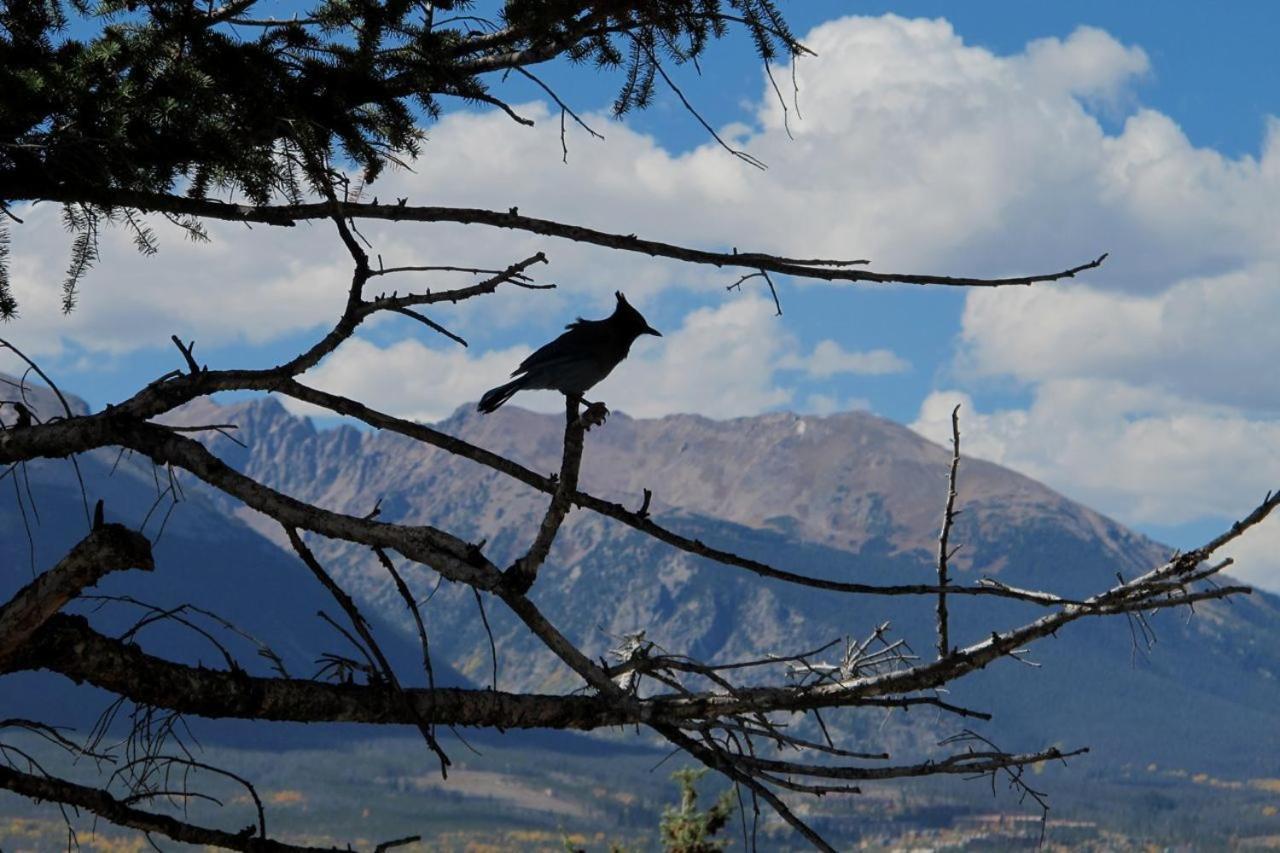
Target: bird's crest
622, 313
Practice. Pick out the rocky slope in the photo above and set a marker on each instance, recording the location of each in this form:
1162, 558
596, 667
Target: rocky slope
847, 496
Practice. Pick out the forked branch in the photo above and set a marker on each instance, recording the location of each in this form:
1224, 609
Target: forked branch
728, 714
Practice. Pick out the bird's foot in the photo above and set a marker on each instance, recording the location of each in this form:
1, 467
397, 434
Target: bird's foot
594, 415
516, 580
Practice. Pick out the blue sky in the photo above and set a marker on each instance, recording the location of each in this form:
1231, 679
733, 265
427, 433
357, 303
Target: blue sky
965, 138
1214, 65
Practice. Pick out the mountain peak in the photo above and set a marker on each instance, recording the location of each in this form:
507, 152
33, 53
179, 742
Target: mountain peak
258, 415
849, 480
842, 479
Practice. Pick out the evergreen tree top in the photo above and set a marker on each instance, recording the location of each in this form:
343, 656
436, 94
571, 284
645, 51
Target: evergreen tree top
196, 96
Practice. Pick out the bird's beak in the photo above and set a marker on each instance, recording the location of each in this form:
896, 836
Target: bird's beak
650, 330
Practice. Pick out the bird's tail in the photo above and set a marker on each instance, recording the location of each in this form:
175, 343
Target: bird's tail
495, 397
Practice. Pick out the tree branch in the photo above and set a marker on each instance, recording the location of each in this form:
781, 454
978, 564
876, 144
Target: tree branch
290, 214
69, 646
948, 516
524, 570
103, 804
109, 548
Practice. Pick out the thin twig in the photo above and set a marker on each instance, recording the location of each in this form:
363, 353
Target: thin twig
948, 516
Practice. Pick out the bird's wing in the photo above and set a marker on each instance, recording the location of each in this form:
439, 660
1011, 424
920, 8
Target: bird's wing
583, 340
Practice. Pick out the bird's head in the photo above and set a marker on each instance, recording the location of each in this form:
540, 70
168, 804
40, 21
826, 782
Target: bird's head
630, 319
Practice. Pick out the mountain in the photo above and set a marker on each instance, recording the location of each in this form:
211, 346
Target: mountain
849, 496
204, 557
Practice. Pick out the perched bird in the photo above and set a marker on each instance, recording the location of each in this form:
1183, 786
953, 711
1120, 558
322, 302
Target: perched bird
578, 359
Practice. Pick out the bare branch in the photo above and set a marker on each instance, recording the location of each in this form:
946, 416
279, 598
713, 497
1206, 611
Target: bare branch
948, 516
293, 213
403, 589
102, 803
111, 547
564, 110
430, 324
960, 764
366, 634
485, 98
524, 571
187, 353
67, 645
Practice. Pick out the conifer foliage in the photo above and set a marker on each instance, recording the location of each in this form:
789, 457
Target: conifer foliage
106, 104
686, 829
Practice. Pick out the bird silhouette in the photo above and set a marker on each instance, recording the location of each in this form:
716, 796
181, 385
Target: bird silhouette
578, 359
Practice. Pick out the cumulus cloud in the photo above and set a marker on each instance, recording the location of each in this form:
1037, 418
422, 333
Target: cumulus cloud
408, 378
916, 149
1089, 63
1202, 339
829, 359
1138, 454
234, 289
722, 362
1148, 378
254, 287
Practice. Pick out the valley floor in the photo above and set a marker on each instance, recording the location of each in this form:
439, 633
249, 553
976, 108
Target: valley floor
508, 798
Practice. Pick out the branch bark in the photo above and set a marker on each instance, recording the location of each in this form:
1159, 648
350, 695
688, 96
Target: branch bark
948, 517
524, 571
291, 214
69, 646
452, 557
103, 804
109, 548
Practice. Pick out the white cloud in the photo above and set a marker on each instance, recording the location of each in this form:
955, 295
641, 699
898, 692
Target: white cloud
722, 361
1203, 339
408, 378
1089, 63
1150, 378
732, 360
829, 359
1140, 455
916, 149
237, 288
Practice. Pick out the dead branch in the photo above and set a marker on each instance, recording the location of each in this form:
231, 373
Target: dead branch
69, 646
109, 548
103, 804
416, 612
361, 626
188, 353
948, 516
701, 708
291, 214
524, 571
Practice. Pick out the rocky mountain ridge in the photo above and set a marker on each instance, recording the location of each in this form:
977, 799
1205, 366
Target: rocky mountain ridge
843, 481
847, 496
